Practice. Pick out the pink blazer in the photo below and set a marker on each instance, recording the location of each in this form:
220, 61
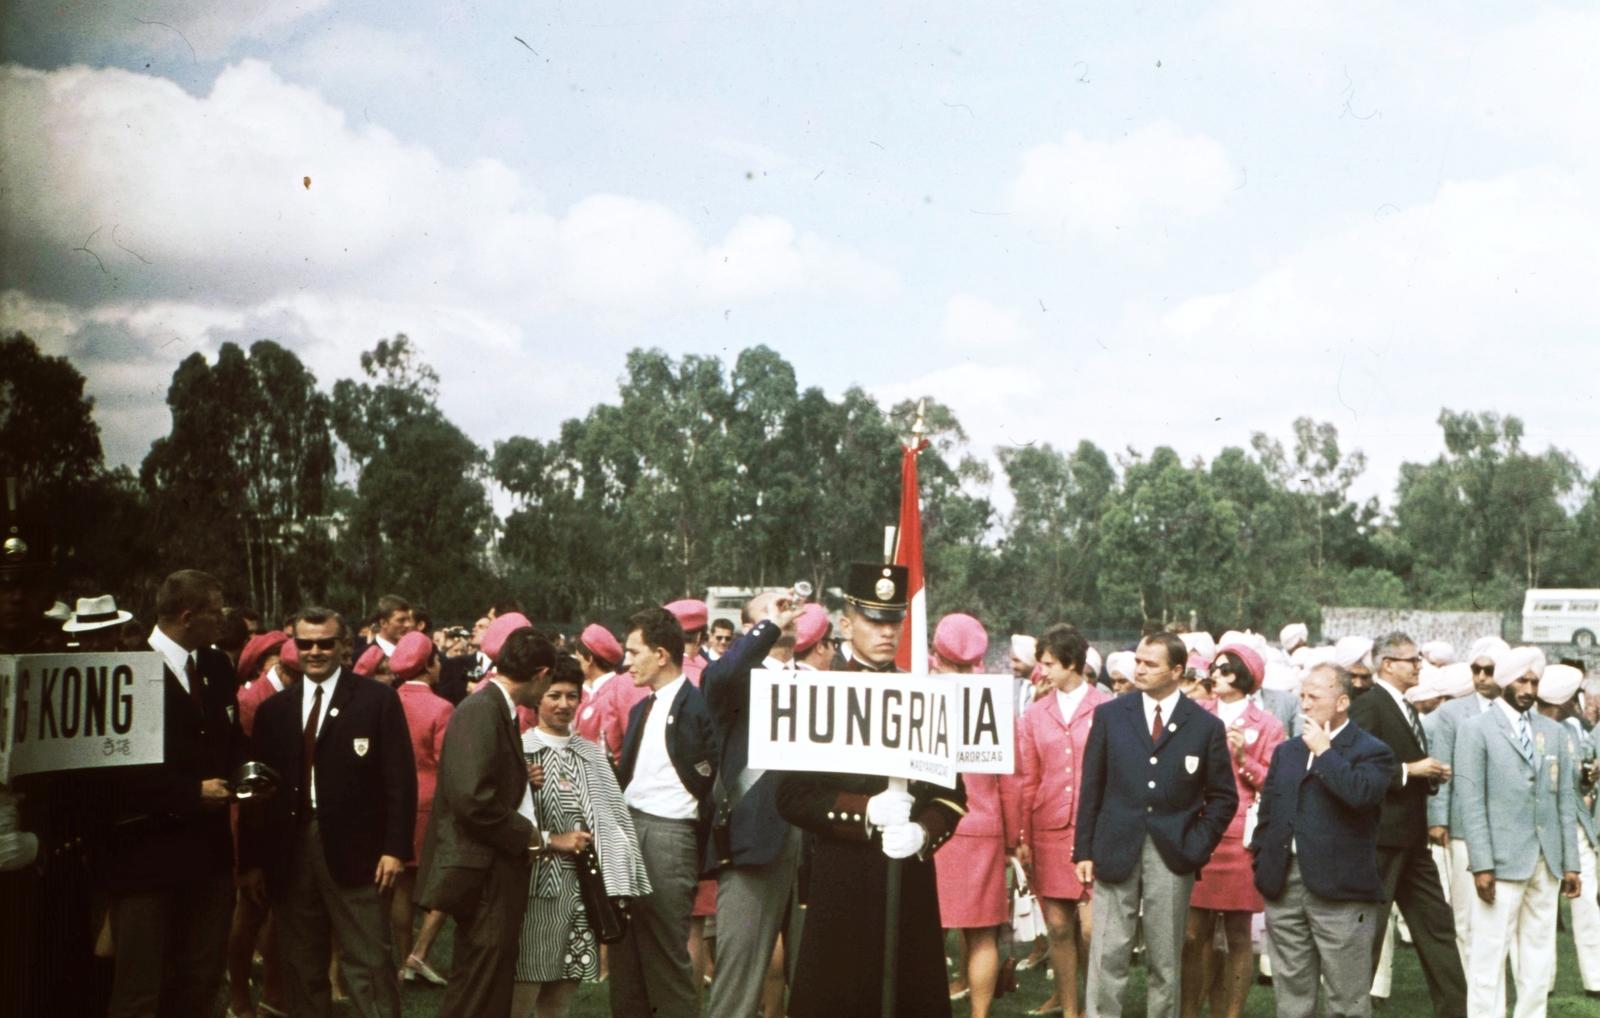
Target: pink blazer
610, 718
1043, 793
1263, 732
427, 715
985, 807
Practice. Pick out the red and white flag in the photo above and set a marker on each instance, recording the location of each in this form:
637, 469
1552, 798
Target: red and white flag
913, 653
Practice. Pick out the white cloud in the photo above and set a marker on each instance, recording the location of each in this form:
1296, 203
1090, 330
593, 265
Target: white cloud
1159, 173
972, 323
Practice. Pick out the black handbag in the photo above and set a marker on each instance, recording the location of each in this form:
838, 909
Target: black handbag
608, 916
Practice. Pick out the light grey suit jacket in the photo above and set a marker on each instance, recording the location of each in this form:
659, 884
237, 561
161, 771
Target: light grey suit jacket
1513, 812
1584, 742
1285, 706
1441, 727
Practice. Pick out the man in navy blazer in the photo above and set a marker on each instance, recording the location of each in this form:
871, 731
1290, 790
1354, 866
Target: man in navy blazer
1158, 794
328, 847
1316, 853
668, 764
755, 851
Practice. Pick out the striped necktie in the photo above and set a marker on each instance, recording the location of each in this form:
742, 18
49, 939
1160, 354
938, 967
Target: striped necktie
1523, 742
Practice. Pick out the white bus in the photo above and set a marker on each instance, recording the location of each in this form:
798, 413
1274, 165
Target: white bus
1561, 616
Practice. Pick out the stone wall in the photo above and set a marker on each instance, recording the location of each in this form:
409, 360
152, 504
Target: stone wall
1460, 629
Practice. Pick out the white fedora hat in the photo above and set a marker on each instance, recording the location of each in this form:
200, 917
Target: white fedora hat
96, 613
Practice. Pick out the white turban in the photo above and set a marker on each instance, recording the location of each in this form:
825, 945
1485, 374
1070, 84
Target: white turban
1438, 652
1200, 643
1025, 649
1558, 684
1293, 635
1455, 680
1282, 678
1119, 665
1515, 662
1353, 650
1487, 646
1091, 663
1427, 687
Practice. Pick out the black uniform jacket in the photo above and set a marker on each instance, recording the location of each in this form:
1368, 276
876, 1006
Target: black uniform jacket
1404, 823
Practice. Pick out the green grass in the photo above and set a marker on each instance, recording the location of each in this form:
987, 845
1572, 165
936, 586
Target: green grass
1409, 994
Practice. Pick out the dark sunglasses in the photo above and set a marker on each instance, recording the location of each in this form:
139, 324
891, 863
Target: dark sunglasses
327, 644
1483, 669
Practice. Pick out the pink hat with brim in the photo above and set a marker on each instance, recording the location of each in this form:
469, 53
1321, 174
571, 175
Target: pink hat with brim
503, 626
369, 661
691, 614
411, 656
960, 639
602, 644
260, 647
1251, 659
810, 627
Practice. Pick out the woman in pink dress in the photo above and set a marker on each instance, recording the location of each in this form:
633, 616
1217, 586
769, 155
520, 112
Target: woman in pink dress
415, 664
1226, 888
971, 866
1042, 805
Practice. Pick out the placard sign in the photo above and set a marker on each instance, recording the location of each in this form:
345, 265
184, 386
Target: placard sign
898, 725
63, 712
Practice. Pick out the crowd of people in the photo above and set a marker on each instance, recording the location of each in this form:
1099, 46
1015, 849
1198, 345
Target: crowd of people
582, 809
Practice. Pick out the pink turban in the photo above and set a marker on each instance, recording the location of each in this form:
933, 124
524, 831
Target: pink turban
1558, 684
1515, 662
1455, 680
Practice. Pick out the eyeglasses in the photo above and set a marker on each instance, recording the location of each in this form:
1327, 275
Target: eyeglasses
326, 644
1483, 669
1413, 661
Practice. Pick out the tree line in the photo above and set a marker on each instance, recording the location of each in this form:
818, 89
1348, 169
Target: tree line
702, 473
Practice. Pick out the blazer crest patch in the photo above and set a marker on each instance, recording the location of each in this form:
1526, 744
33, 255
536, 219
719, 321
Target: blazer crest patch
1191, 764
1251, 735
361, 746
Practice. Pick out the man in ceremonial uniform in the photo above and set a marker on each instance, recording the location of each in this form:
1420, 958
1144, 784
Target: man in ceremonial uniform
861, 823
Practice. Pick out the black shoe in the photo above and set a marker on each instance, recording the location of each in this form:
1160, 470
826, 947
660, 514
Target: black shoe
1263, 980
1592, 994
1379, 1003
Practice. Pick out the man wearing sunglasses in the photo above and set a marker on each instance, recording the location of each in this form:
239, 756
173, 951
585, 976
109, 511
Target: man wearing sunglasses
329, 846
1446, 826
1410, 878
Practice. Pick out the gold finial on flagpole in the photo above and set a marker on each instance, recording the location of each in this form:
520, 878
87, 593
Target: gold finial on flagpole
919, 428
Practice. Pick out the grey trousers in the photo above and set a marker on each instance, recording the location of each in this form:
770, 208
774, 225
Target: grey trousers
171, 949
751, 901
309, 908
650, 972
1312, 939
1165, 897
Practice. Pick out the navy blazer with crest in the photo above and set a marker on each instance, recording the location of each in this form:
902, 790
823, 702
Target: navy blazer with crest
366, 782
757, 831
691, 745
161, 836
1180, 791
1329, 811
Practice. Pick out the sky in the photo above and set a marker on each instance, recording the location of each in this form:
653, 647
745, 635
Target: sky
1161, 224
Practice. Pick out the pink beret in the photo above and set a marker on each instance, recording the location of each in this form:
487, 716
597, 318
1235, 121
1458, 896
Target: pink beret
691, 614
810, 627
370, 658
1252, 660
411, 656
960, 639
289, 654
260, 647
602, 644
495, 636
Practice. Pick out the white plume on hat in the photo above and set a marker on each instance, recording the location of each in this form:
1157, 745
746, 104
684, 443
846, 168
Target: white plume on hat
1558, 684
1490, 647
1515, 662
1025, 649
1438, 652
1353, 650
1293, 635
1455, 679
1119, 665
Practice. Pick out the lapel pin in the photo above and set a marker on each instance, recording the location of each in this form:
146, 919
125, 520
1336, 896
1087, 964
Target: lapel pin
333, 713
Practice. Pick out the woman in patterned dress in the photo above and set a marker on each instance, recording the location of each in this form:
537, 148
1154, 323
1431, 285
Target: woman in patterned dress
578, 804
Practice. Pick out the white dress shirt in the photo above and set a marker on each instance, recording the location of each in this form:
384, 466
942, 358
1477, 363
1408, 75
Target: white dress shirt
656, 788
177, 658
1406, 711
384, 645
526, 807
1167, 706
1519, 723
773, 664
1484, 703
306, 700
1067, 703
1229, 713
277, 684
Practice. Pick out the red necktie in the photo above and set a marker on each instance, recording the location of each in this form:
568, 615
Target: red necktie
308, 753
192, 673
1155, 727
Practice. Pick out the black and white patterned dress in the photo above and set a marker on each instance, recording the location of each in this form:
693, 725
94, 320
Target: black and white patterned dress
556, 941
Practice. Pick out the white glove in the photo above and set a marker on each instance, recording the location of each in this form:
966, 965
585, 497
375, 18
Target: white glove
902, 841
889, 807
17, 850
8, 811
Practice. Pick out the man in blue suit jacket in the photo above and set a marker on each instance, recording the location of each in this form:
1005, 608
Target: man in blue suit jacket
668, 762
1158, 794
756, 851
1320, 807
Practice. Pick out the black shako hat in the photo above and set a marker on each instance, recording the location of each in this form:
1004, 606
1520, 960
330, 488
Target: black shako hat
25, 545
878, 591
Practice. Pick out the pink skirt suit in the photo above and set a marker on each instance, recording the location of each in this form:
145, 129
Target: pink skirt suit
427, 715
1042, 796
971, 866
1227, 883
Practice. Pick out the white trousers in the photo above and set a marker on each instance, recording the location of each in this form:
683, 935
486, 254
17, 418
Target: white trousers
1463, 895
1523, 915
1586, 918
1383, 975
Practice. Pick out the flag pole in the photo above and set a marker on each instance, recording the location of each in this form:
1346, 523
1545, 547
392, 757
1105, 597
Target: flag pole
907, 548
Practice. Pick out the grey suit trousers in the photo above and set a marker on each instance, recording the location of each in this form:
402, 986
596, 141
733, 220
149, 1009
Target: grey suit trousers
651, 976
1165, 896
1310, 939
358, 917
751, 902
